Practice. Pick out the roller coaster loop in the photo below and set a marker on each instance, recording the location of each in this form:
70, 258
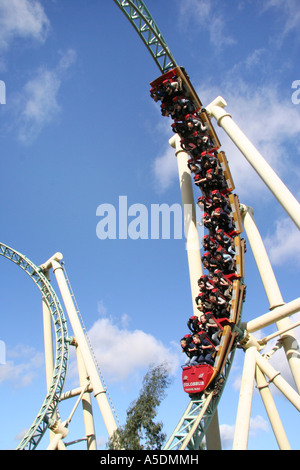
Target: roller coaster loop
40, 423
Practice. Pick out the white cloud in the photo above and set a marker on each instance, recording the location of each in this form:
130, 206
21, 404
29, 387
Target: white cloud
22, 366
165, 170
255, 58
102, 310
236, 384
258, 424
121, 352
22, 19
38, 104
21, 434
283, 243
289, 14
205, 14
227, 435
227, 431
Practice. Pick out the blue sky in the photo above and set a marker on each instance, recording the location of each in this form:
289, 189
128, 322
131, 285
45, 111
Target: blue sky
79, 130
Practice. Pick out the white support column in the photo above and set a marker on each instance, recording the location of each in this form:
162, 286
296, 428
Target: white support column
275, 315
272, 290
48, 343
274, 418
256, 160
86, 405
190, 222
99, 391
261, 258
242, 424
275, 377
60, 432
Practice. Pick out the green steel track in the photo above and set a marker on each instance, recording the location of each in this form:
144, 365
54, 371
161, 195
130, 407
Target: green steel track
140, 18
195, 421
39, 425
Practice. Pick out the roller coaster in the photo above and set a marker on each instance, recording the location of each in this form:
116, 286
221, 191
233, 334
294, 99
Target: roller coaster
224, 258
218, 295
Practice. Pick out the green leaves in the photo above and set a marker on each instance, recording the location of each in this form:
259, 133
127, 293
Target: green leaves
140, 432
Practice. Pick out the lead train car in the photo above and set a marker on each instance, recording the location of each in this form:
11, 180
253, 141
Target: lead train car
198, 140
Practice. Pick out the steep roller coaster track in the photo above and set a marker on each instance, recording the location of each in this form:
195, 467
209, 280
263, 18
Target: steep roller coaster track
195, 421
197, 417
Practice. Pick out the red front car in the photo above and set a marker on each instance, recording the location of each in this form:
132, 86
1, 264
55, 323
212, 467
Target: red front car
195, 379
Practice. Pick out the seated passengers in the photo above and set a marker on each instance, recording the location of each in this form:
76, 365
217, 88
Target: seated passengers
219, 303
210, 162
212, 180
179, 127
156, 94
210, 327
207, 222
205, 284
205, 349
182, 106
168, 109
225, 241
220, 200
194, 123
195, 145
193, 324
225, 260
172, 87
195, 168
205, 203
209, 262
189, 348
203, 303
222, 220
209, 244
223, 284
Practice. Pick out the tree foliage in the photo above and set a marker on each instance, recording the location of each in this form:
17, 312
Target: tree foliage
140, 431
